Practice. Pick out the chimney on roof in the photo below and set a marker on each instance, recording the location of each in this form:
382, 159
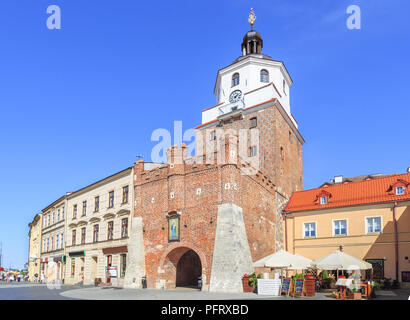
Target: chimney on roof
338, 179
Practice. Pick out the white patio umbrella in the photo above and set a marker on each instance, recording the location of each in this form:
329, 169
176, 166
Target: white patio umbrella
300, 263
338, 260
283, 259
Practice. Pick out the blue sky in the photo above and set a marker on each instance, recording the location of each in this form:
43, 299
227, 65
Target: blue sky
79, 104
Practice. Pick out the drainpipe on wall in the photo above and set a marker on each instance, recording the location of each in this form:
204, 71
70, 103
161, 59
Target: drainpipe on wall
396, 241
286, 232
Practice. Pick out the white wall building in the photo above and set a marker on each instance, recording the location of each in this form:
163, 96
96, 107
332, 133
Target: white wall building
99, 224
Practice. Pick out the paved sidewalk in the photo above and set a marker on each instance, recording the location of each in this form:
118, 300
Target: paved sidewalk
177, 294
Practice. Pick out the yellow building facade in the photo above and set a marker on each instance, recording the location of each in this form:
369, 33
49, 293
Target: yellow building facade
358, 216
53, 241
34, 247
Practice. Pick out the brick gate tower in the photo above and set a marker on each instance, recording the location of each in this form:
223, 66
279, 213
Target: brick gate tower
211, 215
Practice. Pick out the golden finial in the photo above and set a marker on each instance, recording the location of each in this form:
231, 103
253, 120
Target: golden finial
252, 18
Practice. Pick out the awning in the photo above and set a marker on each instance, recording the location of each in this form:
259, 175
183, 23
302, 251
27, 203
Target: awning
77, 253
113, 250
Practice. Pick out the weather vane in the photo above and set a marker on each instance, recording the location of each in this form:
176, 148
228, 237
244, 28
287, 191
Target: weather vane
252, 18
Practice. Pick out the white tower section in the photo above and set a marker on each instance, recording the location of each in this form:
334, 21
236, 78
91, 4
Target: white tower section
250, 80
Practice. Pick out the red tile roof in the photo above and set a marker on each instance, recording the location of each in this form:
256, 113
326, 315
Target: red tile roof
376, 190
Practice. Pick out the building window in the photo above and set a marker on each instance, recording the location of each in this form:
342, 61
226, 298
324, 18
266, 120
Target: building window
340, 227
254, 122
96, 204
124, 228
309, 229
95, 237
73, 237
282, 156
323, 200
62, 213
264, 76
57, 236
399, 191
284, 86
54, 216
374, 224
109, 260
123, 266
235, 79
72, 267
48, 244
111, 199
58, 214
52, 243
49, 219
125, 194
62, 240
74, 211
83, 230
213, 135
405, 276
252, 151
84, 208
110, 228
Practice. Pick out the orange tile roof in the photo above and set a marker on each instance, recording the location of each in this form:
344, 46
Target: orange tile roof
377, 190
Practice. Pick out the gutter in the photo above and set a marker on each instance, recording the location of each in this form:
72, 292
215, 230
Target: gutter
396, 240
286, 231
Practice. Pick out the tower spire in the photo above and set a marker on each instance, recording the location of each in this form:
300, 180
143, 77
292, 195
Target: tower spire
251, 18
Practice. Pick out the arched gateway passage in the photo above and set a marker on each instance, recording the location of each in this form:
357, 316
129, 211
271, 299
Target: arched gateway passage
182, 268
189, 269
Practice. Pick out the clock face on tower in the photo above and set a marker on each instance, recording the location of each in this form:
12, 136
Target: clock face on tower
235, 96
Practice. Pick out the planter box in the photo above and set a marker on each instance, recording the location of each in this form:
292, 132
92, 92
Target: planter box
355, 295
246, 286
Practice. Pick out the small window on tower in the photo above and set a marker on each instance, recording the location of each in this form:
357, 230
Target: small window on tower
254, 122
252, 151
235, 79
264, 76
284, 86
213, 135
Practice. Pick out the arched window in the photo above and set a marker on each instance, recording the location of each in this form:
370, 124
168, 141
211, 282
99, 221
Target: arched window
264, 76
235, 79
284, 86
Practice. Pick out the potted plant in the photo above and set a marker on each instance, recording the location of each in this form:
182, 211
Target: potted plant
355, 294
375, 286
245, 283
386, 284
253, 281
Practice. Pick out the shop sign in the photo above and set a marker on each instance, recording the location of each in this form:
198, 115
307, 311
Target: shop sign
111, 272
77, 253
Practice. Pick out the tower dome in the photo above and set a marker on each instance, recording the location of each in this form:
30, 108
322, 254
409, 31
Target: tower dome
252, 43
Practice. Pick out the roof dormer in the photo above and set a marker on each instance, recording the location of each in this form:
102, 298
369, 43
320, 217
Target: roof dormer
323, 197
398, 188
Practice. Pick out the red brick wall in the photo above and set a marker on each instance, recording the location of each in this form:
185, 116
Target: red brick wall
256, 195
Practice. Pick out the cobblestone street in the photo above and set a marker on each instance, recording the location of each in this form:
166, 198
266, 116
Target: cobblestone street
25, 291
